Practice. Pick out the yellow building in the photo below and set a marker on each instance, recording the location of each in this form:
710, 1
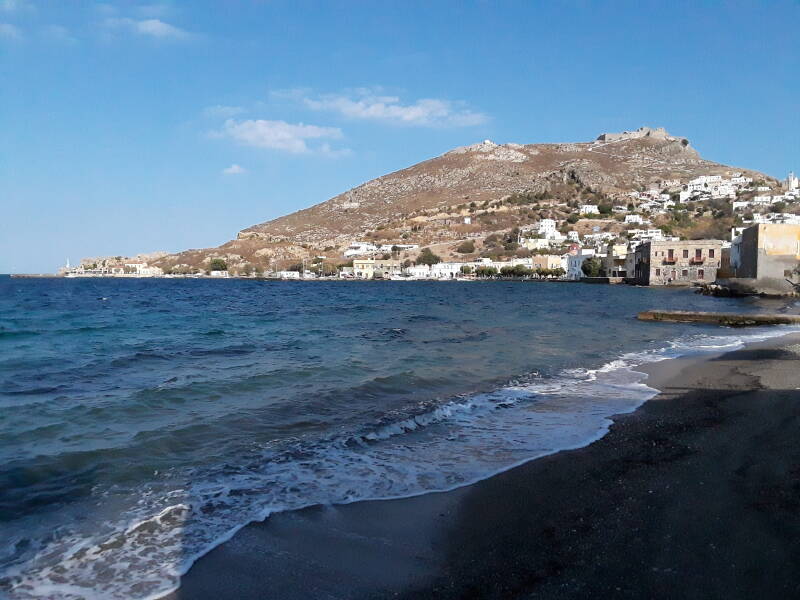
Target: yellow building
375, 268
767, 250
546, 261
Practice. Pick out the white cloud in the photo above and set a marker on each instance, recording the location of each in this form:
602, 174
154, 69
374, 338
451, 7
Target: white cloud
369, 105
278, 135
234, 170
221, 111
155, 28
10, 32
57, 33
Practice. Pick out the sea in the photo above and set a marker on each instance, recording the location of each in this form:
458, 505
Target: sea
144, 421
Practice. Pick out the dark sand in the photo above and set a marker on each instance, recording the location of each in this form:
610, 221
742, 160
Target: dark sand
695, 495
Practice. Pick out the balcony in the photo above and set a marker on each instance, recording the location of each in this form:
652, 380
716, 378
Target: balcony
670, 260
697, 260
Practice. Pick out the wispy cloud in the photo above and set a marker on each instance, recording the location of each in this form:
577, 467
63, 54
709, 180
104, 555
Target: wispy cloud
369, 104
154, 28
222, 111
234, 170
59, 34
279, 135
10, 32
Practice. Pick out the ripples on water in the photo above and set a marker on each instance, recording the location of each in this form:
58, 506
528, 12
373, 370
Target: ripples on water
144, 421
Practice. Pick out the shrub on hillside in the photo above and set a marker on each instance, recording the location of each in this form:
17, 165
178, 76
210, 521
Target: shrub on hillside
427, 257
217, 264
467, 247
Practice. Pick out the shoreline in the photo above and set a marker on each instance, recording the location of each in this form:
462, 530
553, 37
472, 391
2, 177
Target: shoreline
478, 540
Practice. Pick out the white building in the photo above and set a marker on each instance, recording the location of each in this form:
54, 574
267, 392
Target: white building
547, 227
792, 182
418, 271
575, 261
785, 218
446, 270
589, 209
646, 235
392, 247
635, 220
360, 249
535, 243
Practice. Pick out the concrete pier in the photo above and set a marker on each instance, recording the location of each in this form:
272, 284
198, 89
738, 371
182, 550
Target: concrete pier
727, 319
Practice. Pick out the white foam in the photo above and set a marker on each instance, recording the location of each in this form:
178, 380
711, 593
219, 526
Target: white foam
181, 516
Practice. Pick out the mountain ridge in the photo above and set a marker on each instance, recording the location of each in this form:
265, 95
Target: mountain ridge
413, 203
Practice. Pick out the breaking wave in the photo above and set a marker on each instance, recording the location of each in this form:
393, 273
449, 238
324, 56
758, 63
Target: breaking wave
183, 513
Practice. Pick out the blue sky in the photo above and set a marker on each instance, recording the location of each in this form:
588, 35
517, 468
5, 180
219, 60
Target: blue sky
136, 126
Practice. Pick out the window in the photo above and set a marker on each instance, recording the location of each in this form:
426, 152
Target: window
685, 253
685, 273
701, 274
658, 272
710, 253
698, 253
671, 253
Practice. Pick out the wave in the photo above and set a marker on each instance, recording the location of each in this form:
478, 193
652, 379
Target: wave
179, 516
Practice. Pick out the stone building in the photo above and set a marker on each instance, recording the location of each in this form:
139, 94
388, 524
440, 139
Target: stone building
676, 262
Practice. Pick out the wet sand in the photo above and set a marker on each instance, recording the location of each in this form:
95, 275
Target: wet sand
694, 495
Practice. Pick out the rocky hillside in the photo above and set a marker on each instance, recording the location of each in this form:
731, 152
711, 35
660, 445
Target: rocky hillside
425, 203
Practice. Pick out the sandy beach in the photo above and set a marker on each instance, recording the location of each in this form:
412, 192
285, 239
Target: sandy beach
694, 495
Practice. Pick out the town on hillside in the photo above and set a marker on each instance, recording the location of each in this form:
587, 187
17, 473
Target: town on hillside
620, 239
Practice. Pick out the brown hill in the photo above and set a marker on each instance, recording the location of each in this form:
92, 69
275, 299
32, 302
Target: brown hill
425, 203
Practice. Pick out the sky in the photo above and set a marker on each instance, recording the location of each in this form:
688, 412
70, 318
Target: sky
130, 127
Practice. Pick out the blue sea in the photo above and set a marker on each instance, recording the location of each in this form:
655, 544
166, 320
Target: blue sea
143, 422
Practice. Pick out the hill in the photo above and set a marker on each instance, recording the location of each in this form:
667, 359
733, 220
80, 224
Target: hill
497, 186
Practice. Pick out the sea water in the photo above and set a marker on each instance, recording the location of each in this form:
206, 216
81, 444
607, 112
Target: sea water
143, 422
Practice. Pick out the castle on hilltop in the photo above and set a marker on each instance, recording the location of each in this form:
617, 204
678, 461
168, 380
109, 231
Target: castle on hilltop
659, 134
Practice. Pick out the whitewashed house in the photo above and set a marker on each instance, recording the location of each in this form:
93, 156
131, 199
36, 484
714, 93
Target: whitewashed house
575, 261
634, 220
418, 271
446, 270
360, 249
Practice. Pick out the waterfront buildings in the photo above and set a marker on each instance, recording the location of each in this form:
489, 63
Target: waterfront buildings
614, 261
372, 268
676, 262
767, 251
546, 261
575, 262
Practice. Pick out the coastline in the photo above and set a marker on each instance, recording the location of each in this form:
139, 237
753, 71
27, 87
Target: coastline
695, 494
